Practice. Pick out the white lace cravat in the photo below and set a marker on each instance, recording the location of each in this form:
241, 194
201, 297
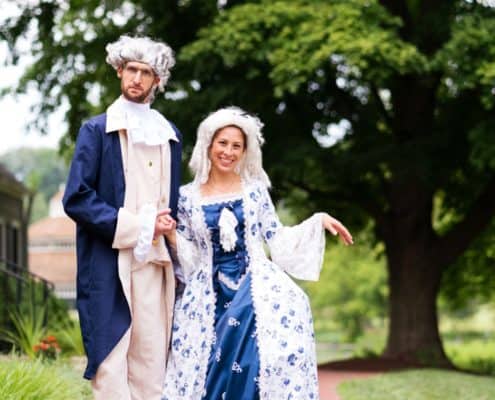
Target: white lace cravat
227, 224
143, 124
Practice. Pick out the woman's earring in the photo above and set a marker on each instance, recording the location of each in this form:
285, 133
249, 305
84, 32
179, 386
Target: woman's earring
239, 166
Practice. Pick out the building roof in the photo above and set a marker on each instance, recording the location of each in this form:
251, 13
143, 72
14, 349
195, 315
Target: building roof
57, 226
52, 228
9, 184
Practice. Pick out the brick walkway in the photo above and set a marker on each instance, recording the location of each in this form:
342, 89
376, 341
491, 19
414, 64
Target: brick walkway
331, 374
329, 380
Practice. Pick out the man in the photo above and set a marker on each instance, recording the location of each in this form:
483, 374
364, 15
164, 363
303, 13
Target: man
122, 192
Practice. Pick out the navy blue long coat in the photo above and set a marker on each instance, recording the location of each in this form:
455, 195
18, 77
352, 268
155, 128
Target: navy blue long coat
93, 195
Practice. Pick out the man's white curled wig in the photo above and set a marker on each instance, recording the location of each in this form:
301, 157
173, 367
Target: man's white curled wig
251, 166
159, 56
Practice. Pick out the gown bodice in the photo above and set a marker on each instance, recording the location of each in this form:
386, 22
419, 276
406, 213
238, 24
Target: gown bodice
228, 266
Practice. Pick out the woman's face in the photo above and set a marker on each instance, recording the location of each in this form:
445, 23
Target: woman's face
227, 149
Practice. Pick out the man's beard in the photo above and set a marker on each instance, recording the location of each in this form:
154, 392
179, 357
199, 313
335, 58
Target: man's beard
139, 98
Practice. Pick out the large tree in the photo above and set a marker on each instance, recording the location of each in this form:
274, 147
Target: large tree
409, 82
415, 81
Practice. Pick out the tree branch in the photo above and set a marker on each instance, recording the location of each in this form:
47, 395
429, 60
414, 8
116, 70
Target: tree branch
370, 207
418, 17
455, 242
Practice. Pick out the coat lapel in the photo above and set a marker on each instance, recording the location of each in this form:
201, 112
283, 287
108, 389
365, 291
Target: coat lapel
117, 168
175, 153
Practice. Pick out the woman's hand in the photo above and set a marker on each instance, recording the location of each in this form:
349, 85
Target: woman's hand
335, 227
165, 225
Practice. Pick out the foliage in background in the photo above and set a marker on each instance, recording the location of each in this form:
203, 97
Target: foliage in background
27, 380
41, 170
475, 354
424, 384
352, 290
28, 330
469, 337
46, 331
471, 279
69, 336
23, 308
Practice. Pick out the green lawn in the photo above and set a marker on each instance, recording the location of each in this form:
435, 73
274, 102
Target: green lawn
427, 384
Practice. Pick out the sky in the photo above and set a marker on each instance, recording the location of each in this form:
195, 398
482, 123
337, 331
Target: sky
15, 112
16, 115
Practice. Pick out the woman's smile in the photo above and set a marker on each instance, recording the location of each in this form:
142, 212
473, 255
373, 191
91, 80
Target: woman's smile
227, 149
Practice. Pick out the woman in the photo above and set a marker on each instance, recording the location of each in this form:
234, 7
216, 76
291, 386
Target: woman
243, 329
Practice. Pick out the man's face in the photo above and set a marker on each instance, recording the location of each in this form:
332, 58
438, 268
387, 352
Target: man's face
137, 80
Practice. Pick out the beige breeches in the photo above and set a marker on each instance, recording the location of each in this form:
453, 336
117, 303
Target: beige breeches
135, 368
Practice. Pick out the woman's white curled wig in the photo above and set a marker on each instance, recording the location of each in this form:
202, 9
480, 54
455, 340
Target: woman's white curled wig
251, 166
157, 55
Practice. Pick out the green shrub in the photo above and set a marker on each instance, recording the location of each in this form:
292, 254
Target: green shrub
370, 344
27, 299
28, 330
469, 337
351, 295
475, 354
69, 336
29, 325
35, 380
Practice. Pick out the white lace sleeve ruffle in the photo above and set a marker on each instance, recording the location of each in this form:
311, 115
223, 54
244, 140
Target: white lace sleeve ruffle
299, 249
147, 216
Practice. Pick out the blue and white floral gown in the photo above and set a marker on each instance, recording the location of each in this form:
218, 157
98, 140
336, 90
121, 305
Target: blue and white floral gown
243, 329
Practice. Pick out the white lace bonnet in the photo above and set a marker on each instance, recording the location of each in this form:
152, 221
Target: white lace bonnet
157, 55
251, 166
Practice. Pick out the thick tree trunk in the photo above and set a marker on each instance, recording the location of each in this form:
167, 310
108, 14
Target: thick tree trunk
414, 283
414, 278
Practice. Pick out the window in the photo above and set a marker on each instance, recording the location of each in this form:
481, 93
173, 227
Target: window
12, 253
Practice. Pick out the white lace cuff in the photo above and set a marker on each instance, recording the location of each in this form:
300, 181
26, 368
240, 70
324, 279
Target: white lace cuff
147, 216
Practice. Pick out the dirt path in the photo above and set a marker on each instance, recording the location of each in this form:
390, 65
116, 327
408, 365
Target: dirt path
329, 380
